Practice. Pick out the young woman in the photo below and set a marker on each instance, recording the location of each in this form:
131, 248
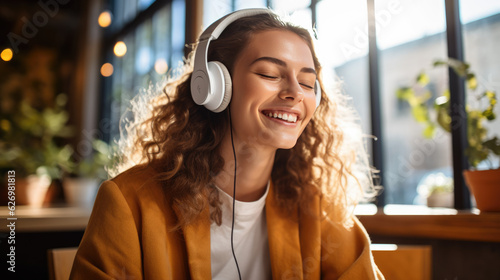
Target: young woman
262, 189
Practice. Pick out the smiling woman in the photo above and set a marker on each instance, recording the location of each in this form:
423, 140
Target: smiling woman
258, 184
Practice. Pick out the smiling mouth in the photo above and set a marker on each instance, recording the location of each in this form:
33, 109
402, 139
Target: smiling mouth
287, 117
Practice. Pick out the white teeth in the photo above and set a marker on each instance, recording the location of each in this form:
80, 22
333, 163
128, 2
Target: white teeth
286, 117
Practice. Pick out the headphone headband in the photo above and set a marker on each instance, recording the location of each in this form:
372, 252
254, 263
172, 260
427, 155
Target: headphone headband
215, 29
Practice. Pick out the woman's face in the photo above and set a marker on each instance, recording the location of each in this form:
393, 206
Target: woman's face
273, 89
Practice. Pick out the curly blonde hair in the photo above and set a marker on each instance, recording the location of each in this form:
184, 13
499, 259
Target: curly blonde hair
182, 139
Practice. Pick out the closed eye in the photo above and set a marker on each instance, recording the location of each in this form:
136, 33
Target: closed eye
307, 86
267, 76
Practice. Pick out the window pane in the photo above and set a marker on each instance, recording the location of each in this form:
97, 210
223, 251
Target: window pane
290, 6
143, 54
402, 21
481, 32
244, 4
161, 30
213, 10
343, 47
129, 10
178, 32
411, 35
153, 48
144, 4
298, 9
302, 17
117, 20
123, 12
124, 83
343, 30
473, 10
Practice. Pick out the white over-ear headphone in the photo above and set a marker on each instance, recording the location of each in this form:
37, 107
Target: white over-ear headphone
211, 81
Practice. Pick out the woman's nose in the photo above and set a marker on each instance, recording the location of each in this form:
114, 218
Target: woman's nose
292, 91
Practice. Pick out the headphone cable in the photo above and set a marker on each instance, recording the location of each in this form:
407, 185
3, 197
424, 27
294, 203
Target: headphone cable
234, 194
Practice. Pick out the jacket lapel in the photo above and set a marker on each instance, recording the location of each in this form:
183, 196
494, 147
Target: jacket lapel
197, 237
284, 242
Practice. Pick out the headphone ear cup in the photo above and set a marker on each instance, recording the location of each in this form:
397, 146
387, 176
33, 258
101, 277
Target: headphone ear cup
220, 79
317, 89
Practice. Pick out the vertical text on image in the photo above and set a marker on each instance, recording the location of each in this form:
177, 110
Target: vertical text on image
11, 221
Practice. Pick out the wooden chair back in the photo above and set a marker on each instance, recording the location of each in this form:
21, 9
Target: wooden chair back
60, 262
409, 262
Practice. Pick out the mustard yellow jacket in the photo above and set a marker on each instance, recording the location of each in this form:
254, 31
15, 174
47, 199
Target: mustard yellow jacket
129, 236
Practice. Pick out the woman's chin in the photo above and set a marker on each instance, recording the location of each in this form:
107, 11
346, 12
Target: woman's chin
285, 143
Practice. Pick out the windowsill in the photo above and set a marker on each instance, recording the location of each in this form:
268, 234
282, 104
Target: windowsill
425, 222
392, 220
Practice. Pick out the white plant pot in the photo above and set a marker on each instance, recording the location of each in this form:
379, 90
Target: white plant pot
31, 190
440, 200
80, 192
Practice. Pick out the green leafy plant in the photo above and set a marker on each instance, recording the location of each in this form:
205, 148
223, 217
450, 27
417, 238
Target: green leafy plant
31, 140
93, 166
480, 148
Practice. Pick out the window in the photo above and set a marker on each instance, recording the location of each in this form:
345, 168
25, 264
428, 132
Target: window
481, 31
343, 49
153, 33
410, 35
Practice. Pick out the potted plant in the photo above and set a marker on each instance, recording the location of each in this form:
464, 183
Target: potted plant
31, 145
437, 189
484, 184
84, 174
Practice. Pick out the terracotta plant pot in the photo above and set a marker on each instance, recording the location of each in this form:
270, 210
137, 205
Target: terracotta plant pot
485, 186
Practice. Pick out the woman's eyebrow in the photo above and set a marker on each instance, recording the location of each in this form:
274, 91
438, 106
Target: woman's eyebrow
280, 62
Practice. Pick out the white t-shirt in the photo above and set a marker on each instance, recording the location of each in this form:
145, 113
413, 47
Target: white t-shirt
250, 240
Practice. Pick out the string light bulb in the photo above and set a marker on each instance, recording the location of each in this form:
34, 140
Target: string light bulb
161, 66
104, 19
6, 54
107, 69
120, 49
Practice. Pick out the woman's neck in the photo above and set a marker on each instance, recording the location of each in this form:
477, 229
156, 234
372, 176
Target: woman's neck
254, 166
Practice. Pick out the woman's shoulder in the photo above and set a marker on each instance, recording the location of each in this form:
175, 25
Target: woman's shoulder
137, 182
136, 175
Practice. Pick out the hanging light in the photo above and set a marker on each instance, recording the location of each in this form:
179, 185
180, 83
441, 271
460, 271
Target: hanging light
161, 66
120, 49
6, 54
107, 69
104, 19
